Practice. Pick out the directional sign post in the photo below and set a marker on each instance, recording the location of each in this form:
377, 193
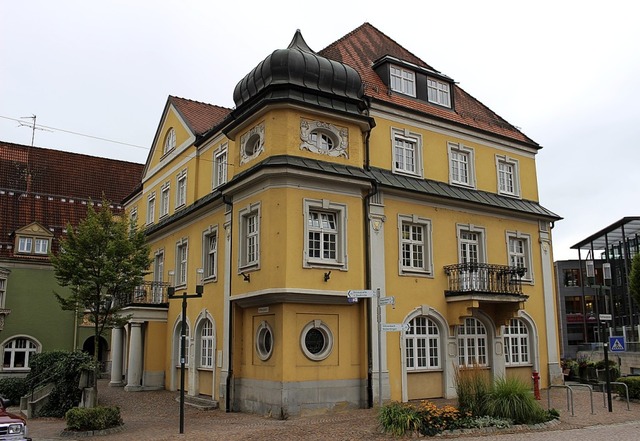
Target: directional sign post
387, 301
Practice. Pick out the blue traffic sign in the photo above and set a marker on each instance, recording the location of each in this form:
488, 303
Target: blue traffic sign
617, 344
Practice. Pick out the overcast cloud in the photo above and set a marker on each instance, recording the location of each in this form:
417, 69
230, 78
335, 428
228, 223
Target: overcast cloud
565, 72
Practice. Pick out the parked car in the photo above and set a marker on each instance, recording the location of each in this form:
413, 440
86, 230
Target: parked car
12, 427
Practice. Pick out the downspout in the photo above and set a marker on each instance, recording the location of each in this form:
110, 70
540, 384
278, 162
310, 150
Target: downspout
227, 395
367, 256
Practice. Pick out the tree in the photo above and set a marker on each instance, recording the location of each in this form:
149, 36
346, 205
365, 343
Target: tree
634, 278
102, 261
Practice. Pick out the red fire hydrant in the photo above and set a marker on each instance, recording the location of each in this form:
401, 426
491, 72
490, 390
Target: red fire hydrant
536, 385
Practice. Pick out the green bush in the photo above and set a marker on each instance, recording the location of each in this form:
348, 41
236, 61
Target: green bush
633, 383
95, 418
63, 369
12, 388
512, 399
399, 419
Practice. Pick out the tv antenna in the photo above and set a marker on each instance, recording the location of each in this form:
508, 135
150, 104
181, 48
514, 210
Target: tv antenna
32, 126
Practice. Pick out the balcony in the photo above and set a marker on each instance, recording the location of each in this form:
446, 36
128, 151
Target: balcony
493, 288
149, 293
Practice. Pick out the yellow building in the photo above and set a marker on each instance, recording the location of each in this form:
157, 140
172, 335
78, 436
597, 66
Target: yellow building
342, 180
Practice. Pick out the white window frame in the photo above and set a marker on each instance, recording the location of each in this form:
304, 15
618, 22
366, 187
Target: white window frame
264, 341
182, 263
339, 211
220, 162
517, 349
25, 245
206, 336
402, 80
181, 189
9, 348
169, 141
439, 92
504, 186
133, 216
249, 255
422, 349
400, 139
457, 151
520, 257
473, 343
165, 195
414, 246
323, 328
41, 246
462, 242
252, 143
210, 255
151, 208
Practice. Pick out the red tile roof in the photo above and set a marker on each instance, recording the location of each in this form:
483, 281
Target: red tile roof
366, 44
53, 188
199, 116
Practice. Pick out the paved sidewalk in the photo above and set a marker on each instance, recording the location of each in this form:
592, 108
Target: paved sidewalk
154, 416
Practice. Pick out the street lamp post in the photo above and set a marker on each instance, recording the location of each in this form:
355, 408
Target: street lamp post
171, 291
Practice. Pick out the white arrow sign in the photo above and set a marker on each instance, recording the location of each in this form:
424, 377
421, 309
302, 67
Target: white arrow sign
359, 294
391, 327
390, 300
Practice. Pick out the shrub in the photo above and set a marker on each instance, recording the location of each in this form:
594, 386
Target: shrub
472, 386
398, 419
633, 383
95, 418
483, 421
13, 388
512, 399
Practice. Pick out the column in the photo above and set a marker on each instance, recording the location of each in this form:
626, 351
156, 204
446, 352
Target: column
134, 367
116, 357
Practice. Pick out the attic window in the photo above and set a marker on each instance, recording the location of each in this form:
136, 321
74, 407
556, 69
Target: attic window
252, 143
403, 81
33, 245
169, 141
438, 92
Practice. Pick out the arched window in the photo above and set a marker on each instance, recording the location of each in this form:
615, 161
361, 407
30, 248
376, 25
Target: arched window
169, 141
472, 343
17, 352
206, 344
516, 343
422, 345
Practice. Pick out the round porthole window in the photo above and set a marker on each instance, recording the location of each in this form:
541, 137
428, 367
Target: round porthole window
316, 340
252, 145
264, 341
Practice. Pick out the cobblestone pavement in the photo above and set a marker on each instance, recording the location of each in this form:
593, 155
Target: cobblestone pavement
154, 415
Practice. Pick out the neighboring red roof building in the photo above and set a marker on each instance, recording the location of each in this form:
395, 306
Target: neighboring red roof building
52, 188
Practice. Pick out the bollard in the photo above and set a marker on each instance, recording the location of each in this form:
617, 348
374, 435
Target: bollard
536, 384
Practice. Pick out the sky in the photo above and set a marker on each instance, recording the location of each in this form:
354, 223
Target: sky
97, 76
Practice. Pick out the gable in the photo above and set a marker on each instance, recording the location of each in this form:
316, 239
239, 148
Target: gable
34, 229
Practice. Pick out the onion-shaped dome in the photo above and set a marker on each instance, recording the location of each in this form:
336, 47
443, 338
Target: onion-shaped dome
298, 73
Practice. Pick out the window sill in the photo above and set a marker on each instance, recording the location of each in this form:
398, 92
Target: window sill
324, 264
415, 273
407, 173
205, 369
424, 370
210, 279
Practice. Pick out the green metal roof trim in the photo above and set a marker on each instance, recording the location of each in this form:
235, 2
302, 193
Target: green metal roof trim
386, 178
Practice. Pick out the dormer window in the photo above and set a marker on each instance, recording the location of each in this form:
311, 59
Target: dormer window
33, 239
438, 92
403, 81
169, 141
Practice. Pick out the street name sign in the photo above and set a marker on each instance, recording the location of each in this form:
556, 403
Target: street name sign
605, 317
360, 293
391, 327
387, 300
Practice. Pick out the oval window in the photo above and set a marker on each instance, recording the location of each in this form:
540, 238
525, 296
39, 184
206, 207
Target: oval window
316, 340
264, 341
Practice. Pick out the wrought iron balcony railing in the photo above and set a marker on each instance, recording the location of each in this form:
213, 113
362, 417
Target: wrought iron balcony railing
484, 278
149, 293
